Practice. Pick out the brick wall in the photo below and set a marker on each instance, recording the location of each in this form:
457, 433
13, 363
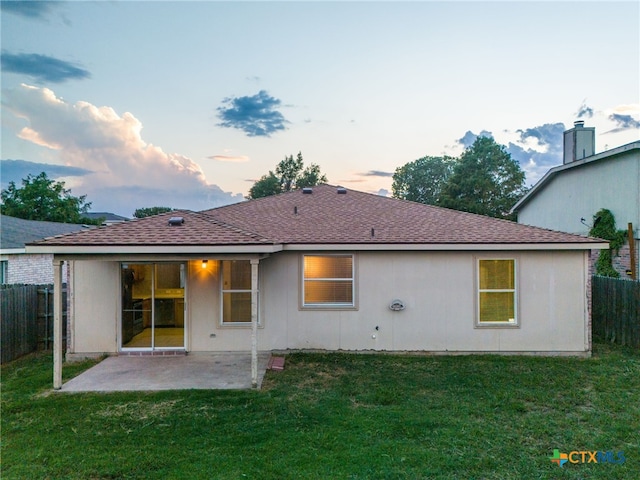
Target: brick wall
32, 269
621, 262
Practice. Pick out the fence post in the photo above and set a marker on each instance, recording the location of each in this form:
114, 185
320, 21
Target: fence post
57, 324
632, 251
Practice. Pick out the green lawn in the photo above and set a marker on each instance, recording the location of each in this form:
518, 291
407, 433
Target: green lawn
336, 416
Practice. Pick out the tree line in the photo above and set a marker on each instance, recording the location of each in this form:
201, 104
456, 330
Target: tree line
483, 180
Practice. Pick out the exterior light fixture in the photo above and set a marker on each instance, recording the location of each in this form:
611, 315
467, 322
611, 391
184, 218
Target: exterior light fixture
204, 263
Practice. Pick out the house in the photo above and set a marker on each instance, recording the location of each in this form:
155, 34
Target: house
16, 266
107, 217
569, 195
324, 268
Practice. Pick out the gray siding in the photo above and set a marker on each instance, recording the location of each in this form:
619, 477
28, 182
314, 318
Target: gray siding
580, 192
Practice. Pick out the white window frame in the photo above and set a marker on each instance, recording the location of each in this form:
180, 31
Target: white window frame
329, 306
515, 322
223, 291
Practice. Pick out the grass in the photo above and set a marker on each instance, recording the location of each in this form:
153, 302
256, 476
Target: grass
336, 416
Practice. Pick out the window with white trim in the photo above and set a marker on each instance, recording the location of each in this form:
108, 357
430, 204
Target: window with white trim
497, 299
236, 292
328, 281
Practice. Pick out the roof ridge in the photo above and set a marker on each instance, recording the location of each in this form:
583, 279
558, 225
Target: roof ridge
268, 197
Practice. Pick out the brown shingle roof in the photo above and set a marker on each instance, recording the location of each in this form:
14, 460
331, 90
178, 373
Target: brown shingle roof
321, 217
326, 217
197, 229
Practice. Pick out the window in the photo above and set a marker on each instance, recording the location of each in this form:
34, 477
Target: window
4, 278
236, 291
328, 281
497, 303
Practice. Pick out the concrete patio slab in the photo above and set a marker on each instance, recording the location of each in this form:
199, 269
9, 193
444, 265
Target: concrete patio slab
213, 371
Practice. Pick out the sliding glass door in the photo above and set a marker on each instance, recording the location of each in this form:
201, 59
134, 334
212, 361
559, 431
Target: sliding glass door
153, 307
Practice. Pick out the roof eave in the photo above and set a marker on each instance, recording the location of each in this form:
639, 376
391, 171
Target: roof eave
12, 251
590, 245
150, 249
274, 248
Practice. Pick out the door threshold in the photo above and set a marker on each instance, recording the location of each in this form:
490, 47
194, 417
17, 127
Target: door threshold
154, 353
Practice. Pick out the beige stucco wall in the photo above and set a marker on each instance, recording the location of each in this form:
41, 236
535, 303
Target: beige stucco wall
96, 300
438, 289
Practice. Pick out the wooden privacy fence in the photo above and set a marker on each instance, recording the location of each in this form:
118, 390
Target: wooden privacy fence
616, 310
26, 321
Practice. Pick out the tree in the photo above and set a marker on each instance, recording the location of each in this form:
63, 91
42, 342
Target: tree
149, 211
267, 185
41, 198
485, 180
422, 180
310, 177
604, 226
290, 174
288, 171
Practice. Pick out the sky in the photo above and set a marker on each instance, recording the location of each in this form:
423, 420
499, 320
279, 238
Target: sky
185, 104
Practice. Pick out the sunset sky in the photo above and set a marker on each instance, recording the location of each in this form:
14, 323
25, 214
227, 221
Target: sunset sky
185, 104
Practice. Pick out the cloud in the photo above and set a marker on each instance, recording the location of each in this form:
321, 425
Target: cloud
352, 180
16, 170
538, 149
127, 173
584, 111
376, 173
627, 108
467, 140
383, 192
42, 67
548, 135
257, 116
30, 9
624, 122
230, 158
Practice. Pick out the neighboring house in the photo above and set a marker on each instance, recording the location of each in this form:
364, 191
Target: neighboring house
16, 266
569, 195
325, 269
107, 218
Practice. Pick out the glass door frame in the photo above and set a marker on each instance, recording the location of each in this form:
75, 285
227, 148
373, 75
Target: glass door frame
184, 271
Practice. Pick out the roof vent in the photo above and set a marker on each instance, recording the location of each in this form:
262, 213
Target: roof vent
307, 190
341, 190
176, 221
